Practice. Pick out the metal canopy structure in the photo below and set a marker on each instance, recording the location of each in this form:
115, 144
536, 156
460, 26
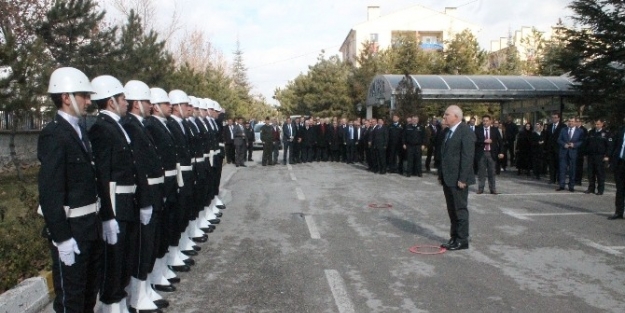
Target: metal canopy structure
474, 88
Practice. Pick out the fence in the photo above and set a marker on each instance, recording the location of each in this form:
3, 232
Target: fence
31, 120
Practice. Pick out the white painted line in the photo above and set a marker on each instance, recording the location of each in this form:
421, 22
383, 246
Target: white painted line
542, 194
515, 214
312, 227
337, 285
289, 167
300, 194
292, 176
428, 183
599, 247
563, 214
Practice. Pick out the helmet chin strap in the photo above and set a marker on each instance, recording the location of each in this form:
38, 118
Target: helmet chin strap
116, 106
182, 113
141, 108
157, 108
72, 99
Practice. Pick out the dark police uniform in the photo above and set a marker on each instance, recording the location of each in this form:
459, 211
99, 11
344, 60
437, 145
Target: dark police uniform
597, 147
150, 184
413, 137
380, 143
394, 151
114, 165
617, 160
67, 181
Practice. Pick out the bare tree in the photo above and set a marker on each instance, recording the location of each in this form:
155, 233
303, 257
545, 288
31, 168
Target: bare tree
145, 9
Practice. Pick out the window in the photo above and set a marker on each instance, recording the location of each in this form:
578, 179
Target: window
373, 37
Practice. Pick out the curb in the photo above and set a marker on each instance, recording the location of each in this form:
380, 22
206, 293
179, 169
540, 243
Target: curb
29, 296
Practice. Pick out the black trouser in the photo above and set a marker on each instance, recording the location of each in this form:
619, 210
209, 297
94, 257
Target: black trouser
146, 245
307, 153
457, 203
230, 152
596, 173
619, 179
239, 153
76, 287
554, 165
537, 165
267, 152
428, 157
250, 149
118, 261
184, 203
334, 155
510, 148
297, 148
413, 160
350, 151
380, 157
360, 152
287, 149
322, 153
218, 161
343, 151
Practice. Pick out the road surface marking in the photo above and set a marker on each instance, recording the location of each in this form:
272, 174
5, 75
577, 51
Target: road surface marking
600, 247
300, 194
312, 227
541, 194
515, 214
289, 167
526, 216
337, 285
428, 183
292, 176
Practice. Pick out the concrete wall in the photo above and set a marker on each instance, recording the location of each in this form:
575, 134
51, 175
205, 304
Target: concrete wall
25, 146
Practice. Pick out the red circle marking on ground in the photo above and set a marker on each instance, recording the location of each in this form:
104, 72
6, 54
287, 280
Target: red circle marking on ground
427, 249
380, 205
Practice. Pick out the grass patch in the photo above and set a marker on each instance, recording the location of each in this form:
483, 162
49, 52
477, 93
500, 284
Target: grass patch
23, 252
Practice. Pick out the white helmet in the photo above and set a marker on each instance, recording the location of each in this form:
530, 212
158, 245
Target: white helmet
137, 90
195, 102
178, 96
158, 95
217, 107
210, 104
69, 79
106, 86
203, 104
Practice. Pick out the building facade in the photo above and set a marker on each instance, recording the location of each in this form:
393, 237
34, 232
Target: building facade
430, 27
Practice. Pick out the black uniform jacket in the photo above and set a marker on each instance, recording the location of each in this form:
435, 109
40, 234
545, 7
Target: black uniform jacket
66, 178
148, 163
114, 163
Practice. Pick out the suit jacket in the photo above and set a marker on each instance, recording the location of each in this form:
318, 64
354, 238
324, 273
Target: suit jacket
228, 135
286, 133
181, 143
495, 147
576, 140
309, 136
266, 133
239, 134
380, 137
615, 148
552, 137
457, 156
113, 157
148, 163
322, 131
347, 137
166, 149
66, 178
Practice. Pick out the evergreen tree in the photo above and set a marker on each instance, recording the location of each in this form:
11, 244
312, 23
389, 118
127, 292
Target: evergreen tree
596, 56
75, 36
555, 52
463, 55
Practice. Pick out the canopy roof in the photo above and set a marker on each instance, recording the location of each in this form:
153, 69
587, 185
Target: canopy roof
476, 88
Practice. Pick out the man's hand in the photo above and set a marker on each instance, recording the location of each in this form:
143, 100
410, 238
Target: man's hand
488, 140
500, 155
67, 251
461, 185
404, 147
110, 229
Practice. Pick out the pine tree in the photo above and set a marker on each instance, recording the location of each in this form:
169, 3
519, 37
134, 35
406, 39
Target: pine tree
463, 55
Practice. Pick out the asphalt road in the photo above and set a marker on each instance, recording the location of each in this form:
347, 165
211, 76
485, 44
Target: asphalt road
304, 238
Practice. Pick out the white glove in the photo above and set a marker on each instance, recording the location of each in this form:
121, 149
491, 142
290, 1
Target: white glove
110, 229
67, 249
145, 215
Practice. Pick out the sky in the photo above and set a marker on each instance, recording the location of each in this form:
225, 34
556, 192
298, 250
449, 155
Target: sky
281, 38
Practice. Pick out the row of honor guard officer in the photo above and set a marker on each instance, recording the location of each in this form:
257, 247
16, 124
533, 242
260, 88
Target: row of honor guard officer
156, 168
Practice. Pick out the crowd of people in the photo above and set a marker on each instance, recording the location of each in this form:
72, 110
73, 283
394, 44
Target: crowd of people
126, 201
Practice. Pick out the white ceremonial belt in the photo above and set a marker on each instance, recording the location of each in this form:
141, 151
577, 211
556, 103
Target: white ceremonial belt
186, 168
207, 155
171, 173
77, 212
215, 152
156, 181
221, 144
199, 160
125, 189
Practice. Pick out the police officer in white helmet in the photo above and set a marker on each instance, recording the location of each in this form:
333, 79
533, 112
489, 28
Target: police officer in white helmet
68, 195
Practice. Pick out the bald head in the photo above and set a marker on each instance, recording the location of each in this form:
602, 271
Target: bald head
453, 115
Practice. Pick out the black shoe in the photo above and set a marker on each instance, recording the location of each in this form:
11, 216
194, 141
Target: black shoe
221, 207
219, 214
197, 248
616, 217
250, 160
589, 191
571, 189
208, 229
599, 193
174, 280
494, 192
214, 221
189, 261
243, 165
559, 189
200, 239
451, 242
458, 246
407, 175
180, 268
479, 192
161, 303
165, 288
189, 252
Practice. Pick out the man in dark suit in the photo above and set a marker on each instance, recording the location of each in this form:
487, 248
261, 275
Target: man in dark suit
149, 193
570, 141
380, 145
322, 142
239, 143
456, 175
432, 129
360, 141
413, 141
332, 138
309, 138
229, 142
266, 136
68, 195
617, 160
372, 157
488, 148
288, 135
251, 137
552, 149
350, 142
394, 150
297, 141
116, 185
